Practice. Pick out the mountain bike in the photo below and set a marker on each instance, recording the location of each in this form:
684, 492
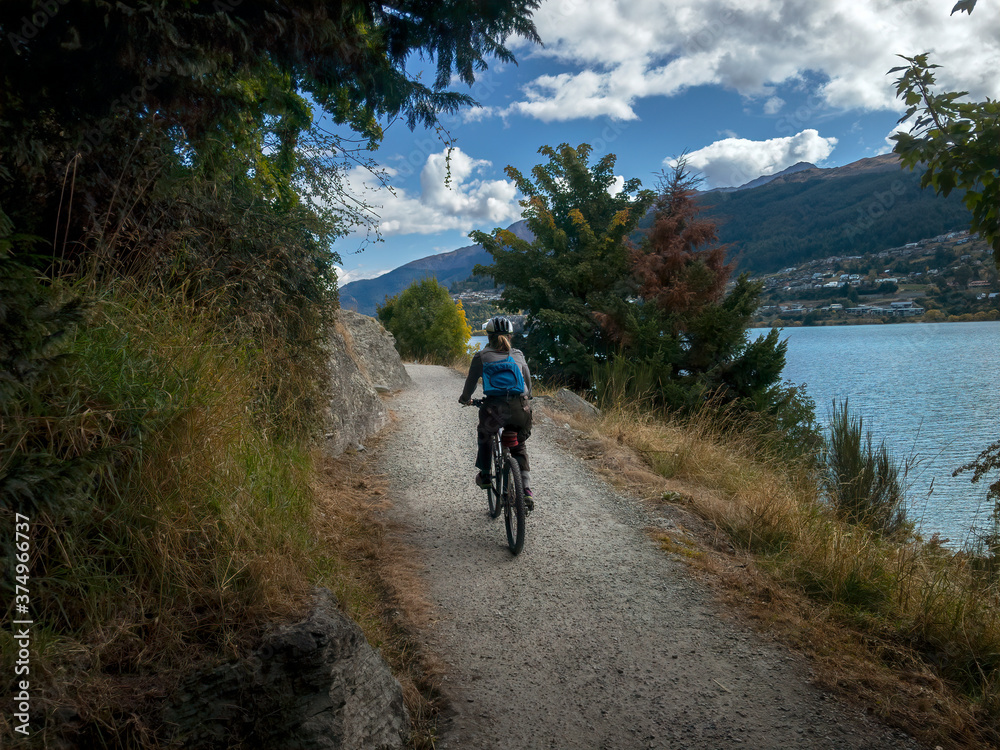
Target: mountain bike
505, 492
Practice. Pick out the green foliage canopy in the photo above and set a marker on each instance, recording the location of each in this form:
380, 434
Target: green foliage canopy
174, 143
653, 321
427, 324
576, 265
104, 106
958, 142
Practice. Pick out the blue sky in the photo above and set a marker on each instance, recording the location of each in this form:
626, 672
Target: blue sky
745, 87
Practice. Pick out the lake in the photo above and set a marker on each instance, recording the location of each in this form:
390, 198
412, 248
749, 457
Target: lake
930, 390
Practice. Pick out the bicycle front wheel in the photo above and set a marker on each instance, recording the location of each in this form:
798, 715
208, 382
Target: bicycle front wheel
513, 504
494, 491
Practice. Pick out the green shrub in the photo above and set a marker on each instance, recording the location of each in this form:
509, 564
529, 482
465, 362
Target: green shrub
427, 324
863, 481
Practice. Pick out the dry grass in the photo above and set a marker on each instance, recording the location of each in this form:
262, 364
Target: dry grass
375, 578
911, 630
189, 538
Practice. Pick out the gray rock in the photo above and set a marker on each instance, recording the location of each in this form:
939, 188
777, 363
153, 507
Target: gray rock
314, 685
374, 349
362, 354
575, 405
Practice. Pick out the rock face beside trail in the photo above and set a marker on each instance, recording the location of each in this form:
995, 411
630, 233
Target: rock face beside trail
375, 350
364, 362
314, 685
576, 405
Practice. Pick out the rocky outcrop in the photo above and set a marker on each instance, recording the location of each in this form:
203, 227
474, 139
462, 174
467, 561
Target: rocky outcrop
575, 405
314, 685
374, 349
364, 362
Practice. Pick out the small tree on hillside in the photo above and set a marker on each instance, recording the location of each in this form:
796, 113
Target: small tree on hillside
427, 324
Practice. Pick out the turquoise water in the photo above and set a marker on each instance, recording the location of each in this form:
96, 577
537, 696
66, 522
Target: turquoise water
930, 390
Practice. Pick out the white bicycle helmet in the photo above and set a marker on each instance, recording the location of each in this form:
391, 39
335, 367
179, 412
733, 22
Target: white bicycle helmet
499, 324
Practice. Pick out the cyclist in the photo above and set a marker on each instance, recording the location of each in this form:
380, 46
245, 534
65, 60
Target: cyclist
506, 390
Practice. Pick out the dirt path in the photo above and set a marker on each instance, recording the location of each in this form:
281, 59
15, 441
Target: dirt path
592, 637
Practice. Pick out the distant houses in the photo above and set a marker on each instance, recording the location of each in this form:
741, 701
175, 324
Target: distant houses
901, 309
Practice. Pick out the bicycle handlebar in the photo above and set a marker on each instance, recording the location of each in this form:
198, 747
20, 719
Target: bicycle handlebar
477, 402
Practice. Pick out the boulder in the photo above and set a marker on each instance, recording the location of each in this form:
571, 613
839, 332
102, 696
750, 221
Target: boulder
364, 362
374, 349
576, 405
313, 685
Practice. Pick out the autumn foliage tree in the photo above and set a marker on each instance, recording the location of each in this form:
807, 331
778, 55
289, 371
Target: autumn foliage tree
651, 321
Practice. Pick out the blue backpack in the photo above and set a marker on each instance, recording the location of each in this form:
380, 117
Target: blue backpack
503, 378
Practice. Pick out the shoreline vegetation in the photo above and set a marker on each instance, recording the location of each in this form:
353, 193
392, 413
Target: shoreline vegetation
989, 317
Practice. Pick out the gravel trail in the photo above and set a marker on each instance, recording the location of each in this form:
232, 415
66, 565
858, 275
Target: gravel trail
592, 637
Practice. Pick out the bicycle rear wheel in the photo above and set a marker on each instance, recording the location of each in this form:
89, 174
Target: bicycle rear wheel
493, 492
513, 504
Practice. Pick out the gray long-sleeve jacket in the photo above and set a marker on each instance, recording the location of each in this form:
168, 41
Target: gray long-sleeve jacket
489, 354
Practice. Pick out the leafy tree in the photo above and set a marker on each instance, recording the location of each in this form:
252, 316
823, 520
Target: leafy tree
427, 324
681, 323
175, 142
104, 107
653, 321
957, 141
576, 267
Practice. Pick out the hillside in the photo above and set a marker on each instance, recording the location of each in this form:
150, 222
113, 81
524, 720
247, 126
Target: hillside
863, 207
365, 294
765, 178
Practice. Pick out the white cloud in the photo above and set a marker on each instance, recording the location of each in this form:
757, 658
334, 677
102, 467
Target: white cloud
466, 201
625, 50
732, 162
773, 105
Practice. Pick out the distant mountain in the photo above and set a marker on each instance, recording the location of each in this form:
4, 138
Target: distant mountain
776, 221
765, 178
363, 295
866, 206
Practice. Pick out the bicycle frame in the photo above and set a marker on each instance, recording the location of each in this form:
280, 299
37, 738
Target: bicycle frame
505, 492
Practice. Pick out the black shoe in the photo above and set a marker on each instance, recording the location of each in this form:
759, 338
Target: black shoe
482, 481
529, 500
